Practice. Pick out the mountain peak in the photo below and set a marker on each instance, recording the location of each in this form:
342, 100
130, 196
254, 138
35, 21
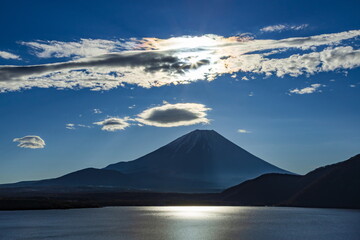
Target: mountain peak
192, 139
202, 132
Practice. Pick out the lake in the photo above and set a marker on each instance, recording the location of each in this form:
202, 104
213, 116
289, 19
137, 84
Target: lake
207, 223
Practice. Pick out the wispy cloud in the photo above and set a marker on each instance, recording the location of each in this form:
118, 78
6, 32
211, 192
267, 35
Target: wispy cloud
7, 55
307, 90
152, 62
73, 126
30, 142
70, 126
283, 27
79, 49
97, 111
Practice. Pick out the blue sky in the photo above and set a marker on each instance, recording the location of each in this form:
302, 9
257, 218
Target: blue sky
284, 73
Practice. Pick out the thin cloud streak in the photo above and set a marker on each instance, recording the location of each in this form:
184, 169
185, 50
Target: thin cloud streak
283, 27
243, 131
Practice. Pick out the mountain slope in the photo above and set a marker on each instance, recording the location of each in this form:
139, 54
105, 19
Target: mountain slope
92, 177
268, 189
201, 155
84, 177
336, 185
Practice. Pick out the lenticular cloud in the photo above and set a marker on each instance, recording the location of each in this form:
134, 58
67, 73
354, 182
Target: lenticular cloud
30, 142
174, 115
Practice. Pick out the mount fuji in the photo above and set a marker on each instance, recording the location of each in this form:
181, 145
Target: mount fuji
201, 156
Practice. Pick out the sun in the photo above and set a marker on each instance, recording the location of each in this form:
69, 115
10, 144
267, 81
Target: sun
194, 62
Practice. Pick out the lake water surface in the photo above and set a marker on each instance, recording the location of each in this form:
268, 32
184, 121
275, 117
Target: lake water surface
185, 223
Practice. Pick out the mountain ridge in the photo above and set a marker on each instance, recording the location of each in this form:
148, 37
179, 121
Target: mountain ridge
332, 186
200, 161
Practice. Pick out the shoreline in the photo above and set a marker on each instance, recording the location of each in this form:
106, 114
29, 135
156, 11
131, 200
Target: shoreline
79, 200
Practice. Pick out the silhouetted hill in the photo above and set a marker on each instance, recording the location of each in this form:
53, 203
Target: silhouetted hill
201, 155
336, 185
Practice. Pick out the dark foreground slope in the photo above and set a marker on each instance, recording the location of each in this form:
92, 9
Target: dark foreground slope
335, 186
266, 190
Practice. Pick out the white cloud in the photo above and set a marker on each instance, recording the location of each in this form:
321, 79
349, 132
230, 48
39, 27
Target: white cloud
7, 55
243, 131
273, 28
352, 85
283, 27
329, 59
174, 115
313, 88
30, 142
153, 62
113, 124
97, 111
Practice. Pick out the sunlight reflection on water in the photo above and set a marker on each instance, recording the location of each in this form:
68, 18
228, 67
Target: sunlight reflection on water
190, 212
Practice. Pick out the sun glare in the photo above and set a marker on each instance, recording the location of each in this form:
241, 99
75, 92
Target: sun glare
192, 42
